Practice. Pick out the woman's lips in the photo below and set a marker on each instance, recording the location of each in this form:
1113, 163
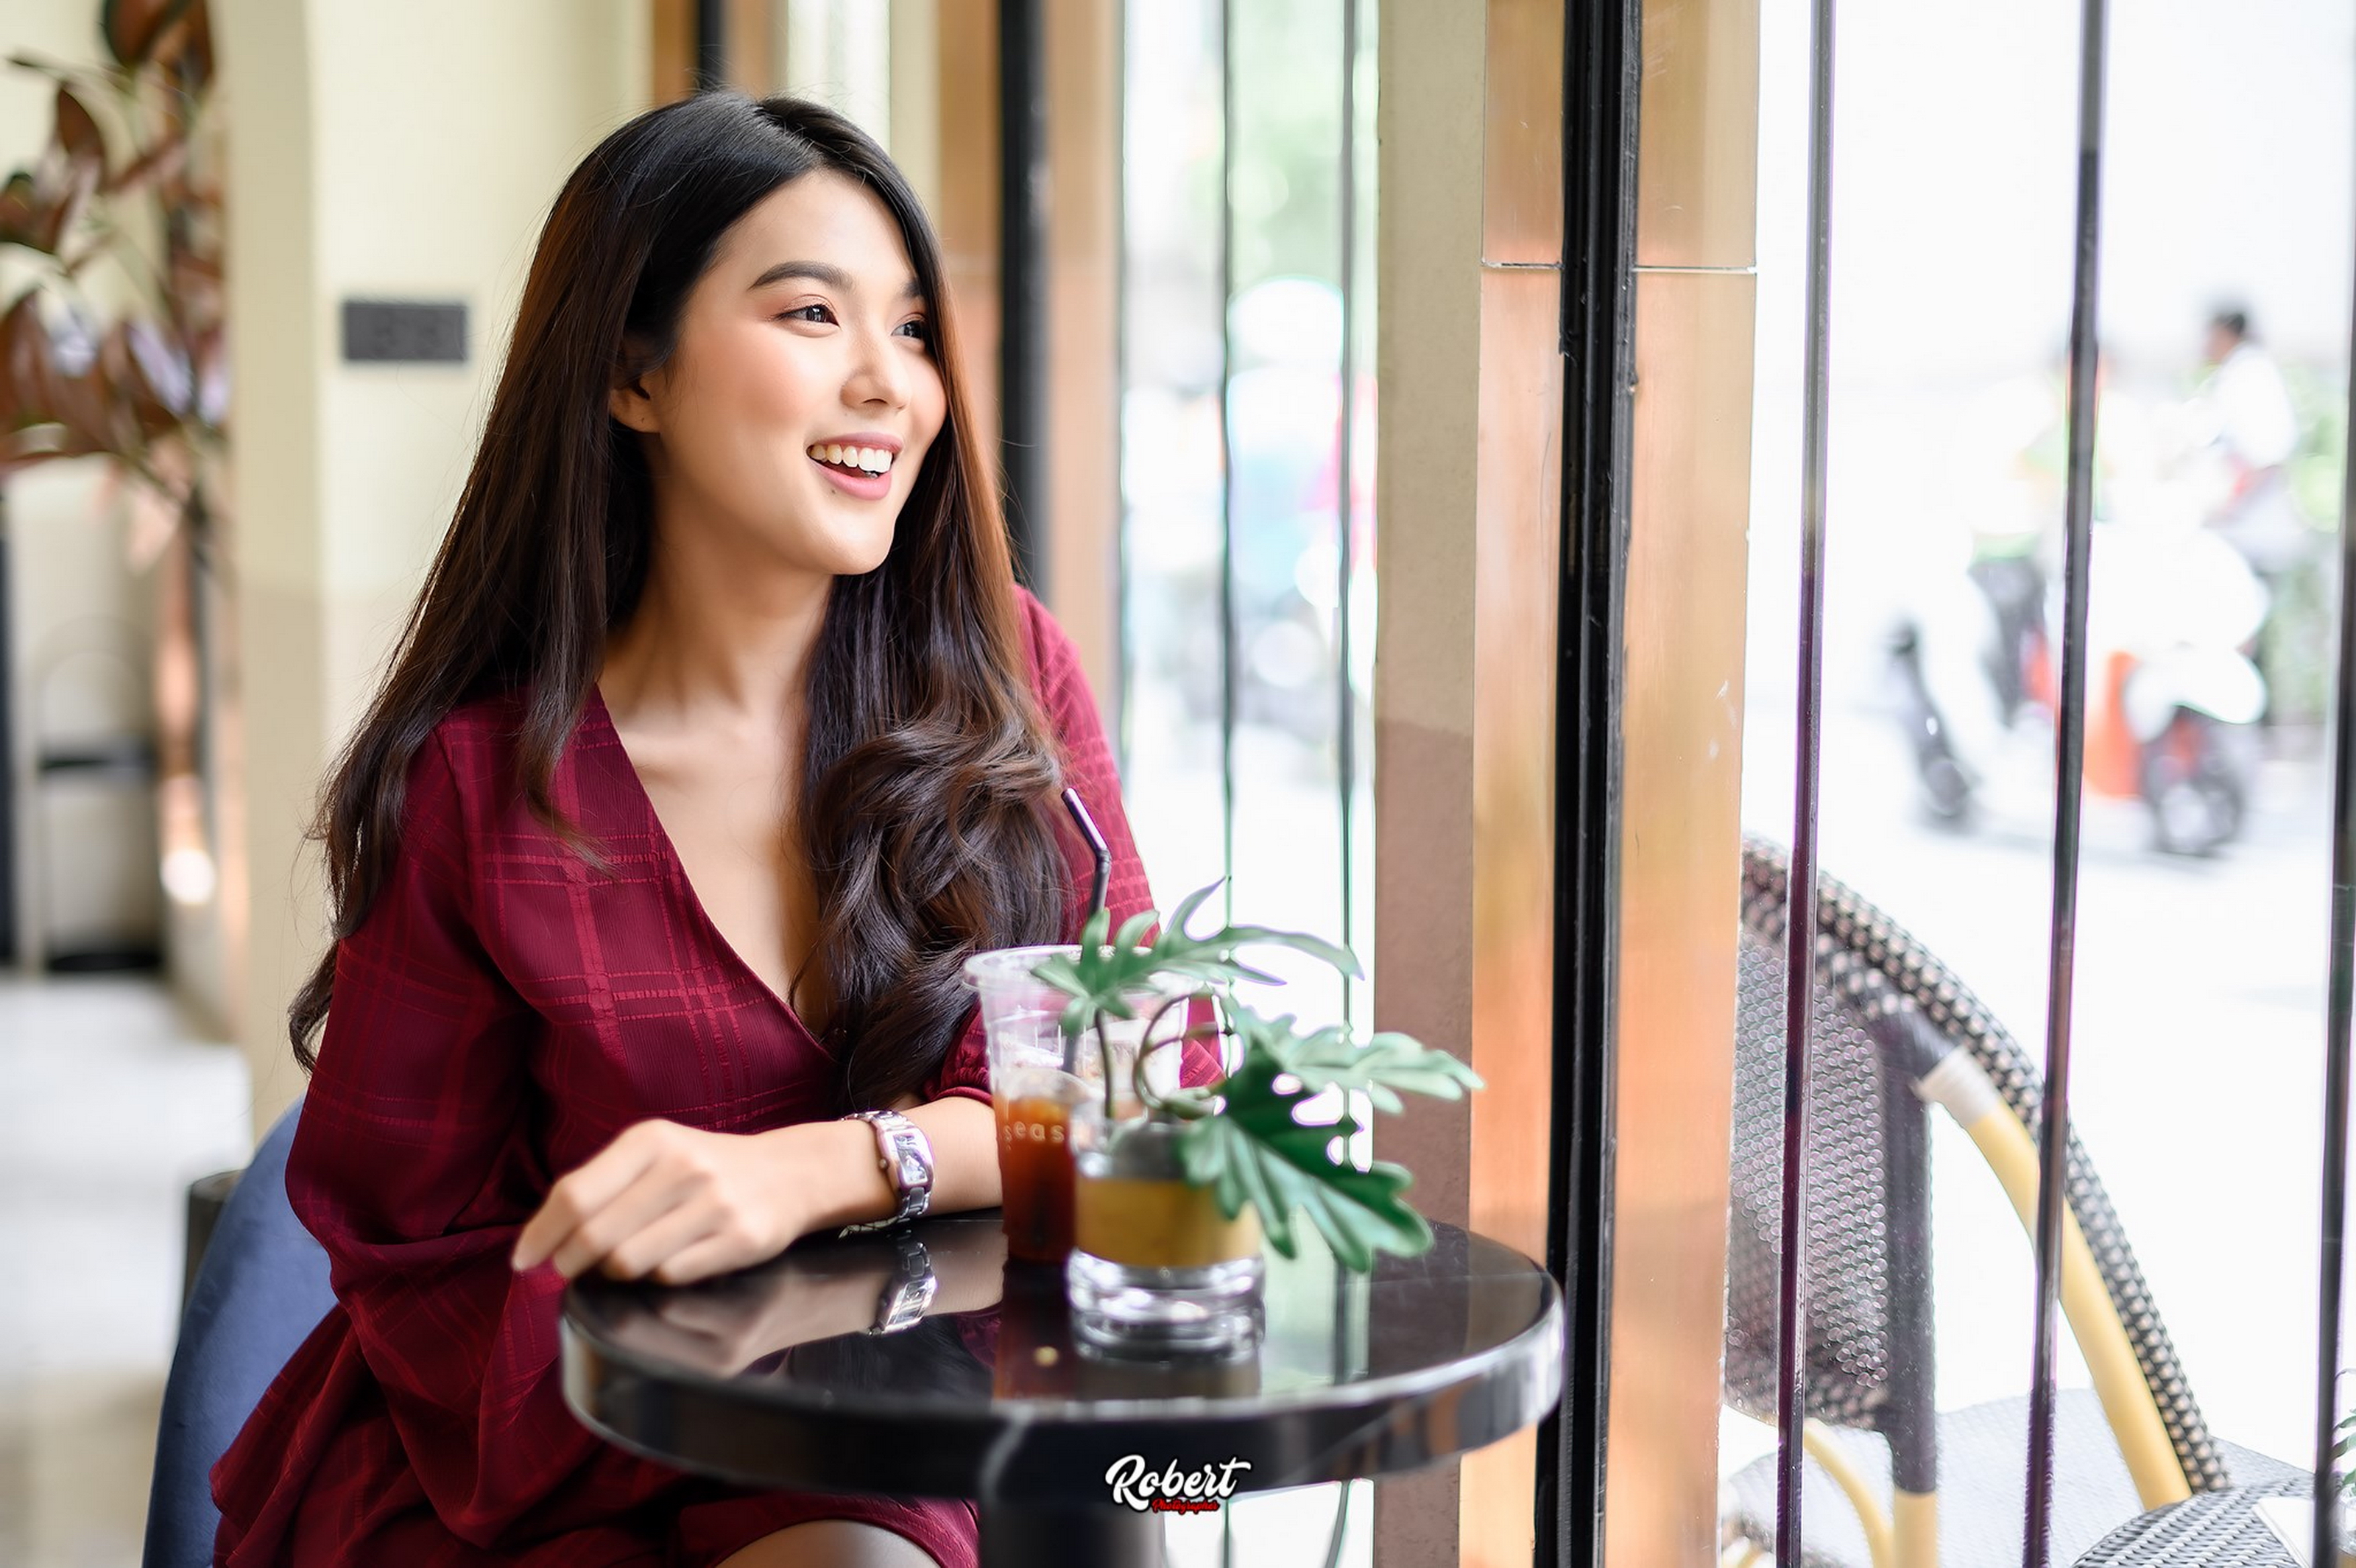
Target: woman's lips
866, 487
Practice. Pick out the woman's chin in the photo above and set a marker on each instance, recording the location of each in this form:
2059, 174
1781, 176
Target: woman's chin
846, 555
823, 545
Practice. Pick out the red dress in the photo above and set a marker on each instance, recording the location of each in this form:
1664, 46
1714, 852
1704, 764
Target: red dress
499, 1015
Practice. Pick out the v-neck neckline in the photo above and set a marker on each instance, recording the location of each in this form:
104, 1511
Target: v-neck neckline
676, 870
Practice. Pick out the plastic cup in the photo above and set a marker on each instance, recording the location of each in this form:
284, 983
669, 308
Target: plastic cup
1034, 1093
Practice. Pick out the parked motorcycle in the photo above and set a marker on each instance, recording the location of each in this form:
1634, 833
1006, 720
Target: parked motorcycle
2172, 696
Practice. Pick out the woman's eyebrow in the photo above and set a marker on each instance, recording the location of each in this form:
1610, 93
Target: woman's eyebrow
824, 272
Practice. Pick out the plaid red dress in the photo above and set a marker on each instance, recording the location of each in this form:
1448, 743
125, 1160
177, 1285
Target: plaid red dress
502, 1012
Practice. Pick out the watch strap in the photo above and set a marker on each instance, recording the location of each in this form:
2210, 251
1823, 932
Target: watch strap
906, 1156
905, 1296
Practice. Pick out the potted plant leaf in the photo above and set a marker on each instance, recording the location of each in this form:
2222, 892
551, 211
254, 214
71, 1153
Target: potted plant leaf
113, 344
1173, 1199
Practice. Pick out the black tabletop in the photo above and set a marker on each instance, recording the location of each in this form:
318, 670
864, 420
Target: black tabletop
773, 1376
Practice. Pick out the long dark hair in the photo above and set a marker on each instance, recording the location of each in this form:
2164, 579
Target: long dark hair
929, 769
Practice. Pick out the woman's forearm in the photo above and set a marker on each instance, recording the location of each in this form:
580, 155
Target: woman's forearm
964, 1135
836, 1163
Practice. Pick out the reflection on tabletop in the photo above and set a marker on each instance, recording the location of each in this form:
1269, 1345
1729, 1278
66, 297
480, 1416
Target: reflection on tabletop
989, 1325
939, 1315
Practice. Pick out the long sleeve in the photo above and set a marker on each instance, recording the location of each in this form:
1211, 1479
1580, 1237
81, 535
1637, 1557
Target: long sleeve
1070, 709
414, 1167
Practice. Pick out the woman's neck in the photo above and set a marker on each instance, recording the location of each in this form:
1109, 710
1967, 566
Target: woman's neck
715, 640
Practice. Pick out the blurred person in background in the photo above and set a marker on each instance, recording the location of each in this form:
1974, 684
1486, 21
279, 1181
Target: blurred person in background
2242, 432
2242, 421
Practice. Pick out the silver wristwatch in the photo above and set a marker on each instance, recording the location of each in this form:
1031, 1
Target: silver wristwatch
906, 1156
902, 1302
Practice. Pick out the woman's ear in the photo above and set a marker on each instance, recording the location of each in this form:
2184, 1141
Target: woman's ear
627, 399
628, 402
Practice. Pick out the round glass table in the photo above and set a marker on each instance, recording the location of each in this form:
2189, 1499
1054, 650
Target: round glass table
924, 1362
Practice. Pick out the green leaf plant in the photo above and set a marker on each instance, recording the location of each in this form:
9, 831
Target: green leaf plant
1244, 1137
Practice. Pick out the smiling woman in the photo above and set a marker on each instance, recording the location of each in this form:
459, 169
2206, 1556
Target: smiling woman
719, 736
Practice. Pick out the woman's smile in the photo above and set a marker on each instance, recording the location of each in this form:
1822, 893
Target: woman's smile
859, 465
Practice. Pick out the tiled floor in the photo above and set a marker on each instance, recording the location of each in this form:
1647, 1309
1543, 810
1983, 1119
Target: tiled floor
108, 1107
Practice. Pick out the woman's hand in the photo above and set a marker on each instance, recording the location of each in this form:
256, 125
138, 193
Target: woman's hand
680, 1204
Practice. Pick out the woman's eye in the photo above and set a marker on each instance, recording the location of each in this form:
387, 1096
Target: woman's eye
807, 313
919, 329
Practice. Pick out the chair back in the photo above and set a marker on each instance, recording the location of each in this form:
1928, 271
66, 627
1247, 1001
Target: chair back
1868, 1360
260, 1290
1867, 956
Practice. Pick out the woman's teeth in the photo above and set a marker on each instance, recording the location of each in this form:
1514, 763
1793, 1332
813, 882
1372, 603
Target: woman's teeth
872, 459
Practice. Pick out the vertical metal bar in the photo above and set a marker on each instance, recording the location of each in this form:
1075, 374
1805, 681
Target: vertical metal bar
2332, 1253
1602, 83
1227, 630
2054, 1132
1022, 195
1345, 733
711, 44
1800, 953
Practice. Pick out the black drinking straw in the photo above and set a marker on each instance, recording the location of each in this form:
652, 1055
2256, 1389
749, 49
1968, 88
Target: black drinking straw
1097, 846
1103, 852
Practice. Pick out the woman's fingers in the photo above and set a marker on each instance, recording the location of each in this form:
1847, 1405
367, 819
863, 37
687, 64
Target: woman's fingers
587, 1191
723, 1250
652, 1244
652, 1200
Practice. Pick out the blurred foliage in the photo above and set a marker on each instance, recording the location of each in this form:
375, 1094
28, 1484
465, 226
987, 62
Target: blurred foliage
1288, 132
2320, 400
2297, 639
131, 367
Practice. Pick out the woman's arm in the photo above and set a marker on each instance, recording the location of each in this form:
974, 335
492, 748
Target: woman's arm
849, 1181
682, 1204
414, 1166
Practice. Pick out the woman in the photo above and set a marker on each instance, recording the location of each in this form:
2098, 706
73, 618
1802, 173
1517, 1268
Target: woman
719, 736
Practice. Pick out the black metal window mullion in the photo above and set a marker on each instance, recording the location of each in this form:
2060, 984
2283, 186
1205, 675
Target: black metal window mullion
2340, 1011
711, 44
1800, 953
2070, 756
1603, 74
1024, 195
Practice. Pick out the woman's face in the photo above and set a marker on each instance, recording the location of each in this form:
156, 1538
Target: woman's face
794, 414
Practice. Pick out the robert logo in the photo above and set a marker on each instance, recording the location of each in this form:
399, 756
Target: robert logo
1171, 1491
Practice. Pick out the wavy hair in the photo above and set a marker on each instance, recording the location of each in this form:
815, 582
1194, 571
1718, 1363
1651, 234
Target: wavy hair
926, 817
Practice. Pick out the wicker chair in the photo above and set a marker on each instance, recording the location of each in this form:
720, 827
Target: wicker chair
1893, 1031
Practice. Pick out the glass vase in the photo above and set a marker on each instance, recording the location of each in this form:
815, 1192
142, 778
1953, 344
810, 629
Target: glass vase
1155, 1268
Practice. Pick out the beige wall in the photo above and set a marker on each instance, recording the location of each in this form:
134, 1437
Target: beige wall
375, 151
1681, 774
1428, 360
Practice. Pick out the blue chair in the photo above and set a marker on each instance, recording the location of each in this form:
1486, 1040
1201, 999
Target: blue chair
260, 1290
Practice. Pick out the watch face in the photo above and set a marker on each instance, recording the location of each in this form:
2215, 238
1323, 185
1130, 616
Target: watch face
913, 1172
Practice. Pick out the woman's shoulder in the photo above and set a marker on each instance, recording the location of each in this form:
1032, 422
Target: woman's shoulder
1054, 662
474, 744
467, 768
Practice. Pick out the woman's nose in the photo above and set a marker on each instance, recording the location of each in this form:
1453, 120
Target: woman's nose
877, 373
